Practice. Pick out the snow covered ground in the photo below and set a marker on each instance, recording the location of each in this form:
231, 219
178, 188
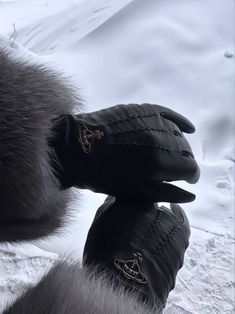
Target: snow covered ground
176, 53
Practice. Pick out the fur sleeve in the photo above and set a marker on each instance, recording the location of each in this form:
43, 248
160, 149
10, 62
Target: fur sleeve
31, 99
68, 289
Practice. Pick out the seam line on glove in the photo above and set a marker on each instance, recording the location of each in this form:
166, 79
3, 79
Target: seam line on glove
153, 146
132, 118
140, 129
165, 241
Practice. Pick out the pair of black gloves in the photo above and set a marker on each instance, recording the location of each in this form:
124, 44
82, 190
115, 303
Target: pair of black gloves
130, 152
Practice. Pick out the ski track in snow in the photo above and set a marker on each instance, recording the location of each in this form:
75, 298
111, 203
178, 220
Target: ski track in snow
179, 54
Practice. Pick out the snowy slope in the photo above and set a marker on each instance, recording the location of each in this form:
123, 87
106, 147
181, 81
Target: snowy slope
56, 26
176, 53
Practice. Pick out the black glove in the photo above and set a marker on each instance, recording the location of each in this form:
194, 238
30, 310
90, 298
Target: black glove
140, 245
124, 148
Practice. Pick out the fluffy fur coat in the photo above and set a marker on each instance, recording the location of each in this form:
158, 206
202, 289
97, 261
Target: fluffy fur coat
31, 99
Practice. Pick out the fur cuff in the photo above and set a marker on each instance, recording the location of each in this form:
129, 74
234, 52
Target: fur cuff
31, 100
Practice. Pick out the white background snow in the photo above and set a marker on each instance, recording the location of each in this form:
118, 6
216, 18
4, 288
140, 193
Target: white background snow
179, 54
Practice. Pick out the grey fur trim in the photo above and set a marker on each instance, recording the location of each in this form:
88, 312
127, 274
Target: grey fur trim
68, 289
31, 99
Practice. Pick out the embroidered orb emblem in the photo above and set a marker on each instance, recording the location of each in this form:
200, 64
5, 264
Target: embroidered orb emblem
131, 268
86, 137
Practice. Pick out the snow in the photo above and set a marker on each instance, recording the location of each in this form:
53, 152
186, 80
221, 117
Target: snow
21, 265
179, 54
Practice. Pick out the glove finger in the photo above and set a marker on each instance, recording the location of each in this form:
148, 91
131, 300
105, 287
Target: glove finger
174, 165
170, 193
183, 123
162, 192
146, 110
181, 217
109, 201
178, 212
172, 150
